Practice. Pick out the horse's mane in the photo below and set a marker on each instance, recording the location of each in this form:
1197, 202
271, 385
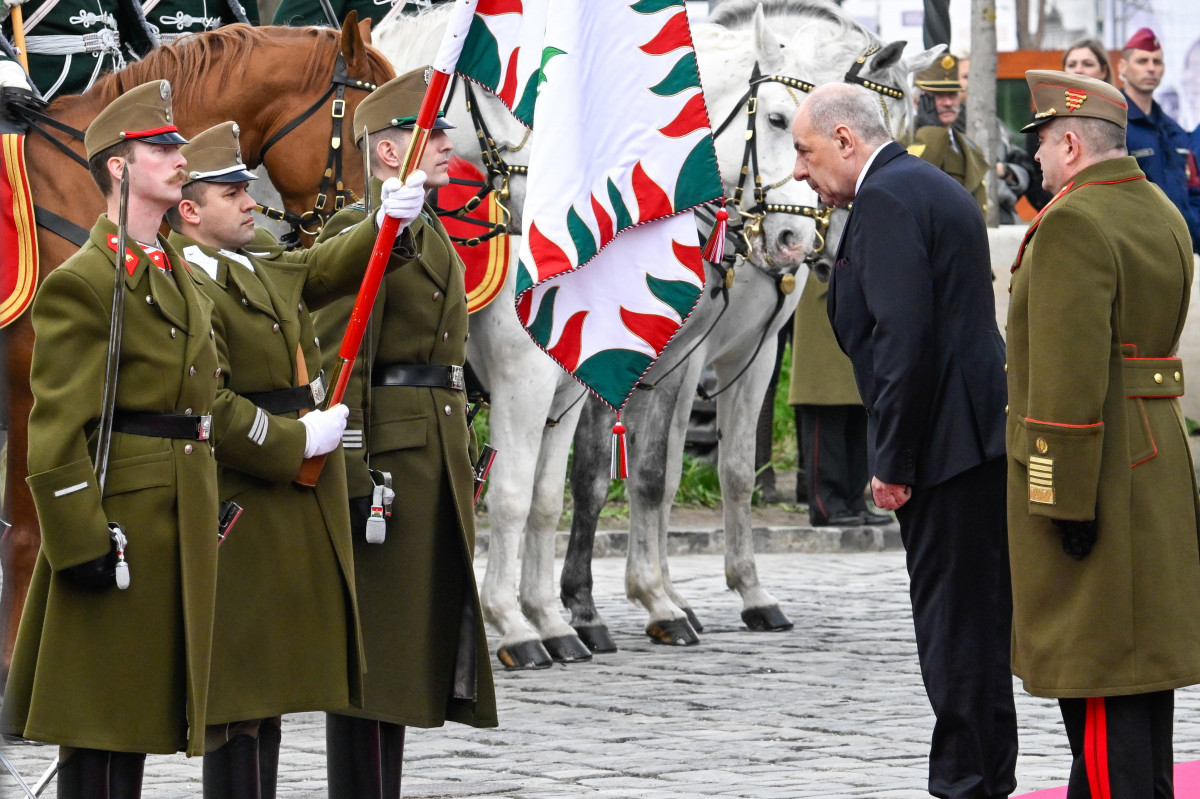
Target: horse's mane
738, 13
218, 57
407, 38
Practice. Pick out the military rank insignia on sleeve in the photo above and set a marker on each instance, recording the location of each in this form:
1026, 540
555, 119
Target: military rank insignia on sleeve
1041, 480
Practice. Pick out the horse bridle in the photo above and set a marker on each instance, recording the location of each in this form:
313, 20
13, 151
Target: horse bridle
311, 222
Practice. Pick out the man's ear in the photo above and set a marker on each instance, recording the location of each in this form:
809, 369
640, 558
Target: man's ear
189, 211
389, 152
845, 142
115, 165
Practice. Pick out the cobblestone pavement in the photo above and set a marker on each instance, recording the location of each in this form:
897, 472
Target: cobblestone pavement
833, 708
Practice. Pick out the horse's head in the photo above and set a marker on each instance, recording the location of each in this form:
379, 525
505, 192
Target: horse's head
753, 86
888, 73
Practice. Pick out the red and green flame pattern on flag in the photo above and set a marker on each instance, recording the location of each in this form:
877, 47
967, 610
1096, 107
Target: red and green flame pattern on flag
622, 152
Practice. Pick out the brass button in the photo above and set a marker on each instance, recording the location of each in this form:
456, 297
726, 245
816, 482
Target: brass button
275, 328
1042, 446
174, 332
1005, 367
191, 370
1178, 377
187, 449
1006, 409
448, 410
149, 300
1157, 377
187, 411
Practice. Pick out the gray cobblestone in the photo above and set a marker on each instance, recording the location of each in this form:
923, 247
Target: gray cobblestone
833, 708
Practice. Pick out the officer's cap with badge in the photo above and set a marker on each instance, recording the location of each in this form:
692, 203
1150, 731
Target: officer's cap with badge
143, 114
1058, 95
940, 76
395, 105
215, 156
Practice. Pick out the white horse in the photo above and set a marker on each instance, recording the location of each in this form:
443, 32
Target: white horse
524, 498
738, 340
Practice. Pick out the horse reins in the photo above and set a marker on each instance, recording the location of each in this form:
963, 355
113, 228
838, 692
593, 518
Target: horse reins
332, 177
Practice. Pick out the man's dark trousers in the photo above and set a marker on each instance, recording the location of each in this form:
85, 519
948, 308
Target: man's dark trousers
955, 537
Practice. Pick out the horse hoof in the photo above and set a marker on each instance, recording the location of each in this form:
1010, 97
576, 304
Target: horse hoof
673, 632
525, 655
692, 620
766, 619
597, 638
567, 649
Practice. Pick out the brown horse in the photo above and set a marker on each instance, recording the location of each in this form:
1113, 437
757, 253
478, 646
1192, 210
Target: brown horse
265, 79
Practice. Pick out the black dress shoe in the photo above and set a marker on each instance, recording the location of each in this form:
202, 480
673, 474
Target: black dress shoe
876, 519
837, 521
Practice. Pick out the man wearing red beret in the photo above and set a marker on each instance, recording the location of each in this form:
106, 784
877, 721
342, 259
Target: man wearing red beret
1161, 147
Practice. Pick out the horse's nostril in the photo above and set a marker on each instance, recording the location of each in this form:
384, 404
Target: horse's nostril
786, 238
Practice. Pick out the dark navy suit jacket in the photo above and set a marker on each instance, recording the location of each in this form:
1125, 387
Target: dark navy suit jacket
911, 303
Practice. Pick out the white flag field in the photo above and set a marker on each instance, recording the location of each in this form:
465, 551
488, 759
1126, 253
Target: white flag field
610, 265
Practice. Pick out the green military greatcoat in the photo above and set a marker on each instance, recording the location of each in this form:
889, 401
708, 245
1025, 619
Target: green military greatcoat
961, 159
309, 12
416, 591
821, 372
1095, 431
286, 636
122, 670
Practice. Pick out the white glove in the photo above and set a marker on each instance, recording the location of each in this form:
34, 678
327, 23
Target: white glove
11, 3
402, 201
11, 74
323, 429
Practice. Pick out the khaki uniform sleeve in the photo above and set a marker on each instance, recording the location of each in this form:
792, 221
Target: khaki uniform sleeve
1073, 283
68, 317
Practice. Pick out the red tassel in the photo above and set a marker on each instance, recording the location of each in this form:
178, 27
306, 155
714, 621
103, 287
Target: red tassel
714, 250
620, 457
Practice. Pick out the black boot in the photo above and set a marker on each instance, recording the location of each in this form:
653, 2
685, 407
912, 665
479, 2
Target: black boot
268, 757
352, 754
125, 770
231, 772
391, 751
84, 775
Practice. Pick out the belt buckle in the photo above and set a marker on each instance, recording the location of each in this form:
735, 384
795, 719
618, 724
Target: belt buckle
92, 43
317, 389
204, 427
454, 379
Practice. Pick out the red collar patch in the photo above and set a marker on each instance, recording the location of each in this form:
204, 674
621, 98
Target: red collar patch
156, 255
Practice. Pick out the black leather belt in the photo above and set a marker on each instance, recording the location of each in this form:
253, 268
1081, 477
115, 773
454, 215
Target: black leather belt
163, 425
286, 400
434, 375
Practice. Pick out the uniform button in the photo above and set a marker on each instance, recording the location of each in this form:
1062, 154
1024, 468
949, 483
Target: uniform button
187, 449
217, 373
448, 410
1006, 409
1006, 367
316, 341
275, 328
1042, 446
437, 295
174, 332
300, 309
191, 370
245, 301
149, 300
445, 337
1157, 377
187, 411
212, 333
1178, 377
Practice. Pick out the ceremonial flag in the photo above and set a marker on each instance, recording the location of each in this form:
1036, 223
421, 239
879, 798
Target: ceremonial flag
18, 244
610, 266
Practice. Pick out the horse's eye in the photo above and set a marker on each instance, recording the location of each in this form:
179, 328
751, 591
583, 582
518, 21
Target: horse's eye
777, 121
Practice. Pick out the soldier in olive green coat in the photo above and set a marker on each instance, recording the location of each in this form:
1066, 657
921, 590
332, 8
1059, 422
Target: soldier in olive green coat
943, 144
111, 674
286, 636
1102, 503
422, 624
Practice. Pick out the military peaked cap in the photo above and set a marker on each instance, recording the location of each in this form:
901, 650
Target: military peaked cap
215, 156
142, 113
395, 105
940, 76
1062, 94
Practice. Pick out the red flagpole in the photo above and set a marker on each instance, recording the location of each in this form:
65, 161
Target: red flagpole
435, 95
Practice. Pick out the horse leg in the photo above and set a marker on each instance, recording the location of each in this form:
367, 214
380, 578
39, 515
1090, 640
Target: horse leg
537, 563
518, 410
19, 545
648, 417
737, 416
590, 477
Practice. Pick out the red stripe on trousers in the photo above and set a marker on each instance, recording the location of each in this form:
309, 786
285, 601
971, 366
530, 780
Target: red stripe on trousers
1095, 748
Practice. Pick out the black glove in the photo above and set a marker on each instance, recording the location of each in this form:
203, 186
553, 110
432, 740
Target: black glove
1078, 538
360, 511
94, 575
